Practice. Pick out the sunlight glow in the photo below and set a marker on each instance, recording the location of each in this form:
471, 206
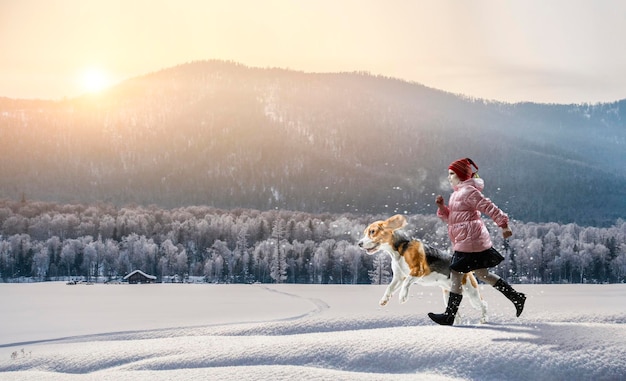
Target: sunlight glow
94, 80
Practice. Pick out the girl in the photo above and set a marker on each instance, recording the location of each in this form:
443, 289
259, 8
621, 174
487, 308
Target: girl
473, 250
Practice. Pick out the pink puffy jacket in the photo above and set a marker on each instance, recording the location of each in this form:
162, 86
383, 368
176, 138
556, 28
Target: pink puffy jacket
466, 230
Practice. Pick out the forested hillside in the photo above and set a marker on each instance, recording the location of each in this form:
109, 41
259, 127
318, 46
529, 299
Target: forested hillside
227, 136
44, 241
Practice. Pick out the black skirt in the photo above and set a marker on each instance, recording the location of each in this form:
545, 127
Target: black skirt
466, 262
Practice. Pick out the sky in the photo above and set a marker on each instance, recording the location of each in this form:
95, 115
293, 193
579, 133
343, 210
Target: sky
558, 51
198, 332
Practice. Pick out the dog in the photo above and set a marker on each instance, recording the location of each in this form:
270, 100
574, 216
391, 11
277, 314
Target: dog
412, 261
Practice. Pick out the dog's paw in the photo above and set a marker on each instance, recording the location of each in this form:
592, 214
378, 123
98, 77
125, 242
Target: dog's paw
384, 300
404, 296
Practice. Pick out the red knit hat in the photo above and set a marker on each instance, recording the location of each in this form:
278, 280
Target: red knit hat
463, 168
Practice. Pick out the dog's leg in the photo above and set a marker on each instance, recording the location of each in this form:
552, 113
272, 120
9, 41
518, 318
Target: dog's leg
396, 282
388, 292
446, 295
391, 288
470, 288
404, 291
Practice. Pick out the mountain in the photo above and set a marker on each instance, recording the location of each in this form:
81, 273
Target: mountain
222, 134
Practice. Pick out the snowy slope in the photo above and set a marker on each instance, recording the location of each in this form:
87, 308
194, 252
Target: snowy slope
307, 332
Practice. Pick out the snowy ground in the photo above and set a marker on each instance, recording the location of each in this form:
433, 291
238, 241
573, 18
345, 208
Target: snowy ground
54, 332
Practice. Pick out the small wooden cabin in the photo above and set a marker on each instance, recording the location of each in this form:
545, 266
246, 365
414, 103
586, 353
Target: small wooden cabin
139, 276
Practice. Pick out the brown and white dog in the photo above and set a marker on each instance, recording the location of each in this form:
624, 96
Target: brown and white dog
412, 261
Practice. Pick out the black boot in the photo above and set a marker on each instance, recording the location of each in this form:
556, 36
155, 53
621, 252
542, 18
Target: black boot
517, 298
447, 318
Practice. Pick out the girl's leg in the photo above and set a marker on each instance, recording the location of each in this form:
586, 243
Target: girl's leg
454, 300
485, 276
456, 278
499, 284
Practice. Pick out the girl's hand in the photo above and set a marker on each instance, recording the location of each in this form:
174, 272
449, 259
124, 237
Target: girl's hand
506, 232
439, 201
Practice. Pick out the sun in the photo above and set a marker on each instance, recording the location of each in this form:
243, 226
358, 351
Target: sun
94, 80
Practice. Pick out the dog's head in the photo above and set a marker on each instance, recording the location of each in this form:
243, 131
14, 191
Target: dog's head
380, 233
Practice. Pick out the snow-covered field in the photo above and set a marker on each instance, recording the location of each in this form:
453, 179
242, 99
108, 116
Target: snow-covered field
55, 332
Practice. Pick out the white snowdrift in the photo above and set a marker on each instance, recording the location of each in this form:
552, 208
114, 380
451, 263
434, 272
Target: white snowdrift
51, 331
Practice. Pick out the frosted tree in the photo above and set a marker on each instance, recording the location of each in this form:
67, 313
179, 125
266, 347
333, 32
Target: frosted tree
68, 256
339, 262
21, 251
298, 262
589, 235
106, 228
151, 252
551, 247
167, 262
132, 246
303, 230
344, 229
380, 274
261, 260
100, 248
278, 260
86, 227
618, 265
40, 227
208, 270
90, 260
568, 250
6, 260
354, 259
320, 260
221, 248
54, 246
41, 262
59, 226
15, 224
320, 230
530, 257
293, 262
204, 236
581, 259
218, 267
143, 253
600, 255
242, 251
110, 258
182, 267
72, 225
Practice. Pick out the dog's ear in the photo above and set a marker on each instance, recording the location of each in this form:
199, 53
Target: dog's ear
396, 222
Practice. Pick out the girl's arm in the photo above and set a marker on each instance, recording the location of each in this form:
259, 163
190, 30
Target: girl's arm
486, 206
442, 211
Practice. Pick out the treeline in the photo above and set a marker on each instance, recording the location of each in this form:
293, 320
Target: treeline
46, 241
